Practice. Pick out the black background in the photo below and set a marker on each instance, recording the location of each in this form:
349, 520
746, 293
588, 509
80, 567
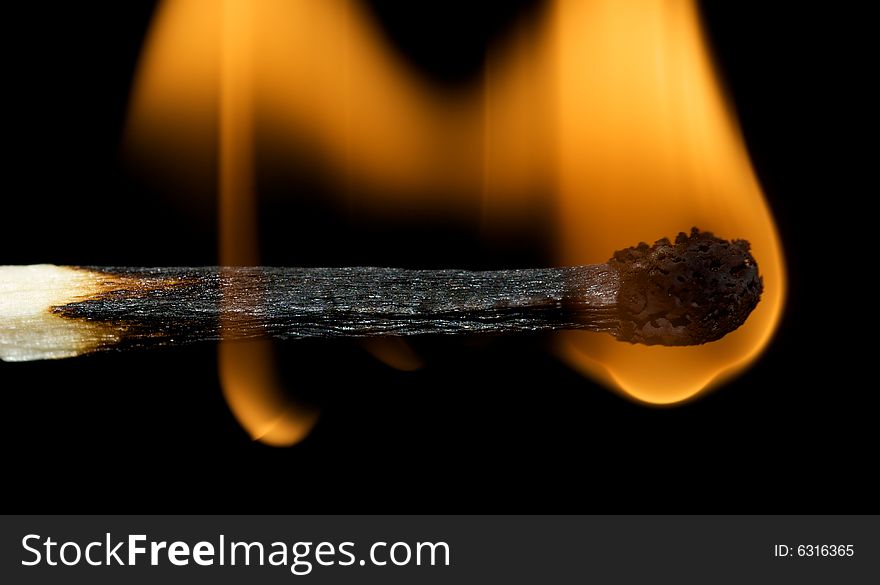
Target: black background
496, 426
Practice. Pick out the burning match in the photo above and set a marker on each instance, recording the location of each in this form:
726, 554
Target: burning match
688, 292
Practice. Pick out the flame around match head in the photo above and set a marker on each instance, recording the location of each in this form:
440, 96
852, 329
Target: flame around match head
648, 147
614, 107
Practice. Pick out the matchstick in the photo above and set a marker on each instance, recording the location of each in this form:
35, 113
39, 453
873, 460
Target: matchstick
687, 292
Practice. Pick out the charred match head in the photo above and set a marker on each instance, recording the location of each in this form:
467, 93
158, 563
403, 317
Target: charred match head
688, 292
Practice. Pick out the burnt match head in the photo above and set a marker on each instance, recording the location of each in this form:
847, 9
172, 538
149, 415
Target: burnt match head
688, 292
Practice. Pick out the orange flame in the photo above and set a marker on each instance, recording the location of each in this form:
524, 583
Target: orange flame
648, 147
612, 105
248, 373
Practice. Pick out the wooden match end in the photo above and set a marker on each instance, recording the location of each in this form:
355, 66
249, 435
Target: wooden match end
687, 292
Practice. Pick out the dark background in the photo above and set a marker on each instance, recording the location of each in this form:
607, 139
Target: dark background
496, 426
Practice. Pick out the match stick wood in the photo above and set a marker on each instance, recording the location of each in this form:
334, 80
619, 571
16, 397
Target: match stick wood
688, 292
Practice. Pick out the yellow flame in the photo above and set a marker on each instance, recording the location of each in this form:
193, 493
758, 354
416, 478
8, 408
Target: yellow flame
611, 105
248, 373
648, 147
256, 395
173, 110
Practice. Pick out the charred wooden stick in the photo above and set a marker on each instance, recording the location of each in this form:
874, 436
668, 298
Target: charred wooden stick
687, 292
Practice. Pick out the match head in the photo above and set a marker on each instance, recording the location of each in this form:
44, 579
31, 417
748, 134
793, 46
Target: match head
690, 292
